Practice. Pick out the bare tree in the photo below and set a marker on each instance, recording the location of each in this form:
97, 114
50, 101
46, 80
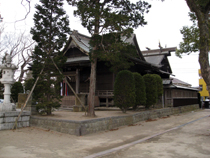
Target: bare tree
2, 45
20, 48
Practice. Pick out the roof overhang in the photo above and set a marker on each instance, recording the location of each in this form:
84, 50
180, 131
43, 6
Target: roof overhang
78, 59
148, 65
181, 87
164, 51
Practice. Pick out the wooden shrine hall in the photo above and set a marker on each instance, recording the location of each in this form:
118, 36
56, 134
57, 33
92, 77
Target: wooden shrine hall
77, 67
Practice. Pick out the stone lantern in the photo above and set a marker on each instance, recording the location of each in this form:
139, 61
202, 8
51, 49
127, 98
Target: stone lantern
8, 112
7, 79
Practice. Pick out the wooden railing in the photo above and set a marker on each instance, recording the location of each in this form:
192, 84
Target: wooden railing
105, 93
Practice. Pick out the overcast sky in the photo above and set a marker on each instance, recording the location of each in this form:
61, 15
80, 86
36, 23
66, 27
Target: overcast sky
165, 20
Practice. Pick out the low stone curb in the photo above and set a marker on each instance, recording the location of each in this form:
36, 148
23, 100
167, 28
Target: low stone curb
102, 124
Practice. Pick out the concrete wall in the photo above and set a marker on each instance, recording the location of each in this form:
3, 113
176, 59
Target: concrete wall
102, 124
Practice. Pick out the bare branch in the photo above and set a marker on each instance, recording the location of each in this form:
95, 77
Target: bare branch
20, 47
29, 10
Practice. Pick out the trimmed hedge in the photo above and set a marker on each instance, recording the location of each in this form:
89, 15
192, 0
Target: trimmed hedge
140, 90
124, 90
159, 85
151, 90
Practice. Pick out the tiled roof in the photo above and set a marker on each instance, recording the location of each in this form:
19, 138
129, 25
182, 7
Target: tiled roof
176, 81
82, 44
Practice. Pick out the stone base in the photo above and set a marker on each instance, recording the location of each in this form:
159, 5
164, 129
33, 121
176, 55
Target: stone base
7, 119
78, 108
32, 109
7, 107
22, 97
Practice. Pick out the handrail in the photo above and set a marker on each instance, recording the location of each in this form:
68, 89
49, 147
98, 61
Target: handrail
105, 93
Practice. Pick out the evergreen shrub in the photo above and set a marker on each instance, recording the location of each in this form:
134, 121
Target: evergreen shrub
159, 85
124, 90
140, 90
151, 90
50, 31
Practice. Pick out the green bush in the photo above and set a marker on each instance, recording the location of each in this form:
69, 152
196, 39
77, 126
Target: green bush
47, 102
124, 90
159, 85
140, 90
151, 90
17, 87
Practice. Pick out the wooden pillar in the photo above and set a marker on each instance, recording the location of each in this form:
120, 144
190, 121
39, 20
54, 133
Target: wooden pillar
77, 80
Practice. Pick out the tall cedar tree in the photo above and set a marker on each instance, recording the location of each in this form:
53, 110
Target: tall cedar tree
197, 37
107, 17
50, 32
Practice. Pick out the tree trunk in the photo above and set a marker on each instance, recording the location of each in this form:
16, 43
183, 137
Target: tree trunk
22, 72
91, 99
92, 89
203, 20
49, 110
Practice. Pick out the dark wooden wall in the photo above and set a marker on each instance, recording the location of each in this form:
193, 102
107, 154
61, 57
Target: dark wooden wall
105, 78
179, 97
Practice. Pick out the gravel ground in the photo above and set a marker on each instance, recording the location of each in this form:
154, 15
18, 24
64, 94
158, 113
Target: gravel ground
190, 141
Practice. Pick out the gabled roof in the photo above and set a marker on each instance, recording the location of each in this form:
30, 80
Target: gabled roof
133, 40
78, 40
159, 58
82, 42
